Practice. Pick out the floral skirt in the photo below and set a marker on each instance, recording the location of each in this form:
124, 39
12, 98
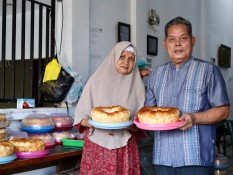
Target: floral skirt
97, 160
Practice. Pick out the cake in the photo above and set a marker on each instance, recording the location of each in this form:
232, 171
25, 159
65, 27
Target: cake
37, 120
59, 135
27, 145
110, 114
158, 115
6, 149
62, 119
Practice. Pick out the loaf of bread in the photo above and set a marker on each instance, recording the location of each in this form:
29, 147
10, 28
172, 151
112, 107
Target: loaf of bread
6, 149
158, 115
28, 145
110, 114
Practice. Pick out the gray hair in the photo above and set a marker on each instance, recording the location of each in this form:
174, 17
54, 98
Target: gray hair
178, 20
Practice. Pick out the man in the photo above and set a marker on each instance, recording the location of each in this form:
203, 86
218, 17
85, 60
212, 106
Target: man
198, 89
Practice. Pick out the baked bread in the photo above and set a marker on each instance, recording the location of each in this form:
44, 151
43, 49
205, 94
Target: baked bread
46, 137
158, 115
28, 145
37, 120
2, 130
3, 136
6, 149
62, 120
59, 135
110, 114
2, 117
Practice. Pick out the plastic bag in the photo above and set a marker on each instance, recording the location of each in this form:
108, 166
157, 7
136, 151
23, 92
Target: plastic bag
75, 90
55, 89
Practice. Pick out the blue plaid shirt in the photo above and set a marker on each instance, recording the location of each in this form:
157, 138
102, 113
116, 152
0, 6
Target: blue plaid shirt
195, 87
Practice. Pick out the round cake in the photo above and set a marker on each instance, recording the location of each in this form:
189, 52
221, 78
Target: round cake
46, 137
3, 134
110, 114
158, 115
59, 135
6, 149
2, 117
27, 145
37, 120
60, 119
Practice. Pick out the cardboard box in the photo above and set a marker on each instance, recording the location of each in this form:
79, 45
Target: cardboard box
25, 103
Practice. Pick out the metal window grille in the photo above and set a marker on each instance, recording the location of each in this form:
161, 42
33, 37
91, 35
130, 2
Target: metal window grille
27, 45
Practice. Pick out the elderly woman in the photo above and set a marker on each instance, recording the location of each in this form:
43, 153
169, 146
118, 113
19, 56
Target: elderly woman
116, 82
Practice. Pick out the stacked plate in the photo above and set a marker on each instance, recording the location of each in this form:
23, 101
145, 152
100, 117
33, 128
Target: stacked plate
4, 124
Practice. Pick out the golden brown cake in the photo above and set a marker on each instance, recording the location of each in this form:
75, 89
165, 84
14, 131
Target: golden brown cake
6, 149
37, 121
61, 120
2, 117
46, 137
2, 130
158, 115
3, 136
59, 135
110, 114
28, 145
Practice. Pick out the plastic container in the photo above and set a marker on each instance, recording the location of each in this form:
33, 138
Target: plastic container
73, 143
77, 136
5, 123
37, 123
62, 121
46, 137
18, 134
4, 137
59, 135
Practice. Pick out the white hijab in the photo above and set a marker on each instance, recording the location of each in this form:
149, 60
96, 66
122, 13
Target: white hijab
107, 87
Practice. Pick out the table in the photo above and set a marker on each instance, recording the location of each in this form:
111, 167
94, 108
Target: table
62, 157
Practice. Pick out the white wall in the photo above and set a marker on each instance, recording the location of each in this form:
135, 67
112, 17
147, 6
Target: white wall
218, 30
96, 21
94, 29
168, 9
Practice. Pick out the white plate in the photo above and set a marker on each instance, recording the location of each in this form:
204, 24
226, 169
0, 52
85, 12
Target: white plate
102, 125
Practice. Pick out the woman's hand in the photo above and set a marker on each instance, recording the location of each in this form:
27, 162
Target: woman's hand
85, 123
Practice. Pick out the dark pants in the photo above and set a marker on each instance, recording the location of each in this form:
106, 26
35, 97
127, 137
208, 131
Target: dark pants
186, 170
